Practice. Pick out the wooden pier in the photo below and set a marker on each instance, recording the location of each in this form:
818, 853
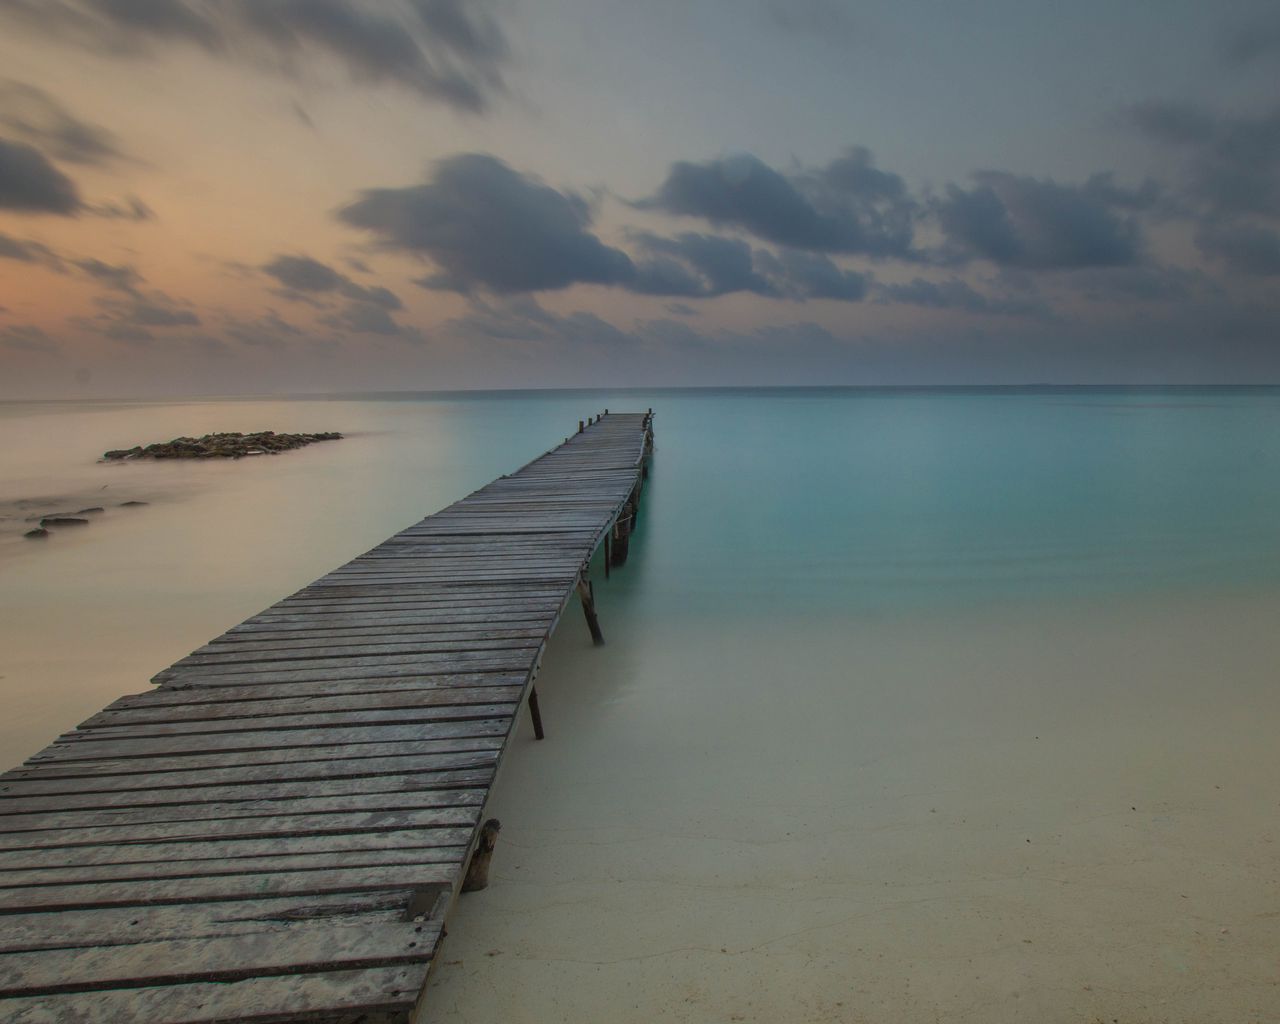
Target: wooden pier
278, 830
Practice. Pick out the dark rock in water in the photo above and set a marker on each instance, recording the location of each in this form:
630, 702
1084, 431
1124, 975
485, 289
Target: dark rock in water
220, 446
133, 504
63, 521
91, 511
39, 533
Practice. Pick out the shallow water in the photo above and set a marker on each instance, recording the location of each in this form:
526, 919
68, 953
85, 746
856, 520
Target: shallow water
915, 706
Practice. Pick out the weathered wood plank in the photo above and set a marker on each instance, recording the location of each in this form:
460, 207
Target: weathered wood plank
226, 854
114, 926
126, 727
84, 817
89, 749
317, 996
280, 824
265, 766
151, 707
203, 867
286, 948
202, 889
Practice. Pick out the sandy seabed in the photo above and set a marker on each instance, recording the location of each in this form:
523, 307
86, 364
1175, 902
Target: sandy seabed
1010, 815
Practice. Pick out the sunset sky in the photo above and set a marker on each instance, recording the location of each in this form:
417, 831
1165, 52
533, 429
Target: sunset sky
296, 196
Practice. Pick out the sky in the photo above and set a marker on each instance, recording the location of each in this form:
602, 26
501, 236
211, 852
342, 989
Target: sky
305, 196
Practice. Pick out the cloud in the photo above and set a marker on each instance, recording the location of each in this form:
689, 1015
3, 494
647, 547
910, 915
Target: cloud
681, 309
1253, 42
24, 250
1150, 284
1036, 224
31, 115
122, 277
303, 276
829, 20
1232, 164
466, 28
149, 313
848, 206
134, 315
26, 338
365, 318
958, 295
485, 225
442, 50
1244, 248
131, 208
696, 265
268, 331
520, 319
810, 275
29, 183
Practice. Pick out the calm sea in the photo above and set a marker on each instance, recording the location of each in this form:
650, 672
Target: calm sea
952, 705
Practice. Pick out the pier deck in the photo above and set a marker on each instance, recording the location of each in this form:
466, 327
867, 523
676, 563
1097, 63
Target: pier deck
277, 831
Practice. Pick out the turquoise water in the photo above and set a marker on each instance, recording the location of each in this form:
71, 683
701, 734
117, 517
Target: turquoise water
916, 705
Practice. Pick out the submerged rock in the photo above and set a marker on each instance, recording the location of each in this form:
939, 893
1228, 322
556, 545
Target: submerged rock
39, 533
63, 521
91, 511
219, 446
133, 504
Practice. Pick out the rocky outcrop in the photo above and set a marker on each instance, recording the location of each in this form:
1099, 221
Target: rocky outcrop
56, 521
220, 446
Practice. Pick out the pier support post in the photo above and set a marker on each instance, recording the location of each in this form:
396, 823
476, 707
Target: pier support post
622, 534
535, 713
589, 609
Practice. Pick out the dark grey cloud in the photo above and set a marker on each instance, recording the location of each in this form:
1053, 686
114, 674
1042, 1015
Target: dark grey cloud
1152, 283
131, 208
696, 265
828, 20
484, 225
148, 313
521, 320
447, 51
120, 277
131, 315
268, 331
1253, 42
465, 27
693, 265
1231, 165
25, 250
958, 295
29, 183
1244, 247
31, 115
1036, 224
487, 227
364, 318
26, 338
303, 276
848, 206
811, 275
